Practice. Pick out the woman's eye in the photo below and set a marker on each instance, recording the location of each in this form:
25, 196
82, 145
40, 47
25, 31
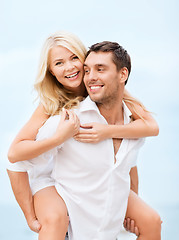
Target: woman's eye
75, 57
58, 63
86, 70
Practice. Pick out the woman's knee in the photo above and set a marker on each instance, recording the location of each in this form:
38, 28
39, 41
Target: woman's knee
55, 218
50, 207
152, 222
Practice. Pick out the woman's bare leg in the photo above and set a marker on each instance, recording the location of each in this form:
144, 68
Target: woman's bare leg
51, 212
146, 219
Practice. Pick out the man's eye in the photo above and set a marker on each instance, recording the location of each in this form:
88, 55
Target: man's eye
100, 69
86, 71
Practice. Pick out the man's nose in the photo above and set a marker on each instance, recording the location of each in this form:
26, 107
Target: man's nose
92, 75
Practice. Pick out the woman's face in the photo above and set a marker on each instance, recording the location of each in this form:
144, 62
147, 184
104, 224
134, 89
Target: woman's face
66, 67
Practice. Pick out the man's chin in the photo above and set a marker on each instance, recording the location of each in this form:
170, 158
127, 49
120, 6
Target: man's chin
95, 99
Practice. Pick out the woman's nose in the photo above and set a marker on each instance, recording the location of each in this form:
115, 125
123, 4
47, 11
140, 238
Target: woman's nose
69, 66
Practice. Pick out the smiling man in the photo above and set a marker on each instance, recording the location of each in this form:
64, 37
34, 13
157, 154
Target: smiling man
100, 182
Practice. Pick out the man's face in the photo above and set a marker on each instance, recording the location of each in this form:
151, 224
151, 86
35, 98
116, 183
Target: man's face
102, 80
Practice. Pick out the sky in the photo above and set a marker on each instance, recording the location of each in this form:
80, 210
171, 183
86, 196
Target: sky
148, 29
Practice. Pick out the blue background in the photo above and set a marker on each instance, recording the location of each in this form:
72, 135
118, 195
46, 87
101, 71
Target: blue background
149, 31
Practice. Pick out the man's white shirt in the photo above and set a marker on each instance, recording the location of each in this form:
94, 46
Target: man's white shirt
93, 185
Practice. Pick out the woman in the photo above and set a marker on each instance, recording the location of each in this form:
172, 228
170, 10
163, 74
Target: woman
59, 84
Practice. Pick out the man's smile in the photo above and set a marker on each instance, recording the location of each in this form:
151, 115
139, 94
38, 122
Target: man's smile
95, 87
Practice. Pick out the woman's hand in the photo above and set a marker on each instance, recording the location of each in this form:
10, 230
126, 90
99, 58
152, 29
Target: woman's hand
92, 133
68, 126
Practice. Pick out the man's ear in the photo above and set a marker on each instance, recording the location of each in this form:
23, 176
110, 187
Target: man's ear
123, 74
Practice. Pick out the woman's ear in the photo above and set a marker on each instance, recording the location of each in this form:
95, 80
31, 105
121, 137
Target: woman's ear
50, 70
123, 74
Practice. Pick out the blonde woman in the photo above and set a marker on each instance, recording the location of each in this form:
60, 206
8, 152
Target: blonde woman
59, 85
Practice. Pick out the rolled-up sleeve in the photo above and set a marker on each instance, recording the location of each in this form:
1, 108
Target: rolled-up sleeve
22, 166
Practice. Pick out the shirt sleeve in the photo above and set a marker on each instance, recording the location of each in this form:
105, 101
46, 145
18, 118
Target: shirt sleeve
49, 128
135, 151
22, 166
46, 131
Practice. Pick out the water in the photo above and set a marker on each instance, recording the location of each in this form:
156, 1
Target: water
13, 224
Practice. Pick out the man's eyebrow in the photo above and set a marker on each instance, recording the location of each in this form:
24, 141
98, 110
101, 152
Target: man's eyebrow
96, 65
101, 65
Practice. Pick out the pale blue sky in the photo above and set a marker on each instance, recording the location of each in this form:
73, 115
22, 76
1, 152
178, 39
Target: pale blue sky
148, 29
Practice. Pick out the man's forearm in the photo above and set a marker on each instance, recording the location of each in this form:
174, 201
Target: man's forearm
22, 192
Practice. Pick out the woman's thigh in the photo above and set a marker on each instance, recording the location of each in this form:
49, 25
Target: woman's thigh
146, 218
49, 206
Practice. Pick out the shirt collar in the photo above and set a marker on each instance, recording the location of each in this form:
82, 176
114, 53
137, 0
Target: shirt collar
89, 105
127, 113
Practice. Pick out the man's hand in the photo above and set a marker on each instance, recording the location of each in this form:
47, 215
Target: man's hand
34, 225
129, 225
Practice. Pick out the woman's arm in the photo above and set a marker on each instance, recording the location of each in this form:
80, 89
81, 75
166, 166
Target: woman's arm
96, 132
24, 146
144, 125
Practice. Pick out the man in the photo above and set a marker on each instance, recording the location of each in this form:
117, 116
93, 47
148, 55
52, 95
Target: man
99, 175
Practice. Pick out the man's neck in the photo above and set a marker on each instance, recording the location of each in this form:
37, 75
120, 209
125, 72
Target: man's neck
112, 112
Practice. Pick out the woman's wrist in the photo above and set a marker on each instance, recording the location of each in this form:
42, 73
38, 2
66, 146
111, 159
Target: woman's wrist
117, 131
112, 131
55, 140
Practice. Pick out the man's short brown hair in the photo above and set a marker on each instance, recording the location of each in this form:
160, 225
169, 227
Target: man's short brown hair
120, 57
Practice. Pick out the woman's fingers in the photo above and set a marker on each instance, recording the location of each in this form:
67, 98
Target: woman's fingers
85, 132
85, 136
73, 118
63, 114
87, 126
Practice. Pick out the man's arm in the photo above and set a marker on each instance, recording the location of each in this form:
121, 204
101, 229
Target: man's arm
22, 192
134, 179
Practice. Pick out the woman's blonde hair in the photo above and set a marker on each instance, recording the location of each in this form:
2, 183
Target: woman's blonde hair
52, 94
127, 98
